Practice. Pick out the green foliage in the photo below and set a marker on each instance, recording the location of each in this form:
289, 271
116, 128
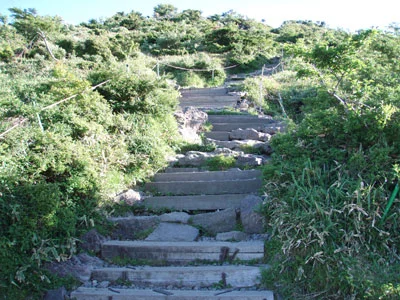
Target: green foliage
220, 163
203, 67
332, 174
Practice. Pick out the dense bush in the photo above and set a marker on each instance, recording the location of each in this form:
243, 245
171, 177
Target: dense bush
91, 147
332, 174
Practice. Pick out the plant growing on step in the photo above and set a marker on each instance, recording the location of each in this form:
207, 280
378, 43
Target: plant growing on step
220, 162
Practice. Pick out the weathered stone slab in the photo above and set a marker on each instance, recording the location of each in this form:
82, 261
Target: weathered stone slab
208, 175
220, 221
175, 217
249, 134
216, 187
195, 202
252, 221
174, 233
182, 252
234, 126
232, 236
240, 119
128, 294
178, 277
218, 135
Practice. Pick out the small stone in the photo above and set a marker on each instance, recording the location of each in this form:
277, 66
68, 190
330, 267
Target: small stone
232, 236
175, 217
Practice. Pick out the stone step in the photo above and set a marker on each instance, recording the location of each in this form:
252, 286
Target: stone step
210, 98
198, 202
203, 91
182, 252
232, 126
208, 106
155, 294
182, 277
218, 135
181, 170
216, 187
208, 175
240, 119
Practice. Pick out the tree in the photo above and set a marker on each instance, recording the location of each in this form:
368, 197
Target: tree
165, 11
28, 23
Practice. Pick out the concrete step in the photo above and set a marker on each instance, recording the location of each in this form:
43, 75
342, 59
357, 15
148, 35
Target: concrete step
203, 91
216, 187
155, 294
218, 135
240, 119
179, 277
208, 106
208, 176
181, 170
232, 126
182, 252
198, 202
208, 99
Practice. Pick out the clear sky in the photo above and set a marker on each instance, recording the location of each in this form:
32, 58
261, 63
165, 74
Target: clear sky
345, 14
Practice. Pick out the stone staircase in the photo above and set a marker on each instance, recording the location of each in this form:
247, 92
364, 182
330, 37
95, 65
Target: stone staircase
211, 243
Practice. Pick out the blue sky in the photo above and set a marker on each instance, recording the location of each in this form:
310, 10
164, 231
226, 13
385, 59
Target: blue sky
345, 14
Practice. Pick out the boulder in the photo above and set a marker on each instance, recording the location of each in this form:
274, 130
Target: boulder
190, 121
131, 228
249, 134
91, 241
249, 160
252, 221
216, 222
130, 197
79, 266
171, 232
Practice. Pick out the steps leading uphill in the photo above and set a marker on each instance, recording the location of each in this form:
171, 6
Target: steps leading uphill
210, 244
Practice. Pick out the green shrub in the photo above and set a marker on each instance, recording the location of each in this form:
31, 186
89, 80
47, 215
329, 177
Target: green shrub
220, 163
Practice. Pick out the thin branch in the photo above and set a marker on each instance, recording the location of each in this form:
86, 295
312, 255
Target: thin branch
47, 45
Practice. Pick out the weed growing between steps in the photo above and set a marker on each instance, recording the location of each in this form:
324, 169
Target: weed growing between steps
186, 147
220, 163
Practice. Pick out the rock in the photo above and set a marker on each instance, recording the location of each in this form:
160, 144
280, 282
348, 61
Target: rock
192, 158
263, 148
252, 221
91, 241
249, 134
171, 232
232, 236
79, 266
131, 228
190, 121
220, 221
175, 217
273, 128
130, 197
103, 285
249, 160
58, 294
